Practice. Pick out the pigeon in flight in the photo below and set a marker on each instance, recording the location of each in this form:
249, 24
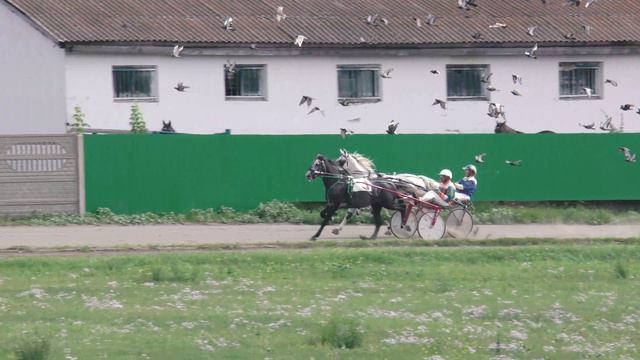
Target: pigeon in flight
392, 127
354, 120
230, 67
344, 102
606, 125
532, 52
435, 72
589, 3
591, 126
431, 19
638, 111
629, 156
177, 50
514, 162
612, 82
280, 15
587, 91
386, 74
345, 132
315, 108
299, 40
480, 158
492, 89
627, 107
485, 79
531, 30
573, 2
517, 79
442, 103
498, 26
228, 25
181, 87
306, 99
516, 93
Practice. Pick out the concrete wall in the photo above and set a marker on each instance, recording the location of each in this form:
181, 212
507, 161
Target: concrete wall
407, 97
32, 97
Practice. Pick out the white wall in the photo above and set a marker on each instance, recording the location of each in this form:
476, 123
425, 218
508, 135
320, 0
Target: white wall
407, 97
32, 99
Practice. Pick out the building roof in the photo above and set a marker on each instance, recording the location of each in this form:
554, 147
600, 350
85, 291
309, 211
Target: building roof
333, 22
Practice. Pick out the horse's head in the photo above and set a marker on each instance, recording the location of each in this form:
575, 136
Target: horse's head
318, 166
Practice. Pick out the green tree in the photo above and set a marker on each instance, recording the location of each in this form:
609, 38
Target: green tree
78, 125
136, 121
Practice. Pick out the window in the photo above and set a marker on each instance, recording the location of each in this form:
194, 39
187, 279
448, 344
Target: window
575, 77
359, 83
245, 82
135, 83
464, 82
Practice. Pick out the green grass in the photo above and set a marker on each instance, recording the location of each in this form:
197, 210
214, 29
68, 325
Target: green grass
546, 301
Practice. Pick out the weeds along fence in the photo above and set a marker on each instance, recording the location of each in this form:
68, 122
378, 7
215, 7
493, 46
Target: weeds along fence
137, 173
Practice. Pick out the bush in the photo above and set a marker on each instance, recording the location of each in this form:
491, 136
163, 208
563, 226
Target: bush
277, 211
342, 334
33, 347
621, 271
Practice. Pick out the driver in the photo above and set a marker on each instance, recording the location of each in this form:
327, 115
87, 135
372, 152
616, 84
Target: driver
467, 185
446, 190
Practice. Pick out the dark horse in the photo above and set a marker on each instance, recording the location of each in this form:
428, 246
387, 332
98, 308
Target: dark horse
339, 196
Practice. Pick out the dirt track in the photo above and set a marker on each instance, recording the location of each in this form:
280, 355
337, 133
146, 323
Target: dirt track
110, 236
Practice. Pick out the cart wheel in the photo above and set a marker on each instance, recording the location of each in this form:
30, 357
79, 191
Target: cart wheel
401, 232
429, 230
459, 223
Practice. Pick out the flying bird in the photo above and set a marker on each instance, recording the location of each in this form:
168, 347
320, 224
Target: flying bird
392, 127
514, 162
306, 99
386, 74
344, 102
491, 89
516, 93
627, 107
280, 15
612, 82
629, 156
480, 158
431, 19
230, 67
345, 132
532, 53
587, 91
606, 124
299, 40
442, 103
573, 2
228, 25
181, 87
517, 79
177, 50
435, 72
591, 126
418, 21
589, 3
485, 79
354, 120
315, 108
496, 110
498, 26
531, 30
587, 29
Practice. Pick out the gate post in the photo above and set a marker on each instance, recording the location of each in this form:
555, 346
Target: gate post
82, 205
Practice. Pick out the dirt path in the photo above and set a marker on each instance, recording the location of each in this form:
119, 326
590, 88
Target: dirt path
112, 236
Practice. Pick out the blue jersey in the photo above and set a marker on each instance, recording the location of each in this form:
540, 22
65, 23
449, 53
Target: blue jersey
469, 185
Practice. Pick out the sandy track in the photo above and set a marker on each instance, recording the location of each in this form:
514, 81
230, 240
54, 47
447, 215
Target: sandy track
110, 236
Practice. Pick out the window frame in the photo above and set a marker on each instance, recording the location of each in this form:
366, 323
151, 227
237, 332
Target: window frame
364, 67
486, 94
262, 85
154, 83
599, 88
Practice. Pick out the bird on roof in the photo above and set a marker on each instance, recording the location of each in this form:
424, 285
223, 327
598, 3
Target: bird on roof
181, 87
517, 79
587, 91
345, 132
498, 26
513, 162
392, 127
573, 2
177, 50
386, 74
418, 21
464, 4
591, 126
532, 53
280, 15
531, 30
589, 3
570, 36
228, 25
431, 19
442, 103
377, 20
516, 93
477, 35
306, 99
299, 40
480, 158
587, 29
627, 107
629, 156
612, 82
315, 108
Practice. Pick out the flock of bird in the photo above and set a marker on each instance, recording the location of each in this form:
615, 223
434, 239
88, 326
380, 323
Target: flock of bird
495, 110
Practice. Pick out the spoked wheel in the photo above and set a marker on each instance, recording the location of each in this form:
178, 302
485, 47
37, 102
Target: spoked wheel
459, 223
406, 231
428, 229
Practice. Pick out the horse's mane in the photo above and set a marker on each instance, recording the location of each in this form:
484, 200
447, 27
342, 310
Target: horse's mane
364, 161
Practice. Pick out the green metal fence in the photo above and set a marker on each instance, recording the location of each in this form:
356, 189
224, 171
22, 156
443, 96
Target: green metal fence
137, 173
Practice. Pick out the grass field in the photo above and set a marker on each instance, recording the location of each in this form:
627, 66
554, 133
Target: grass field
529, 302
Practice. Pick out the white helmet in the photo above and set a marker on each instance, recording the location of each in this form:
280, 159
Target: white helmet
471, 167
446, 172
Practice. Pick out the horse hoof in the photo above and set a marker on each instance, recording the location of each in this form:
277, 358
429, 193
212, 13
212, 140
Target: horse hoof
314, 238
335, 231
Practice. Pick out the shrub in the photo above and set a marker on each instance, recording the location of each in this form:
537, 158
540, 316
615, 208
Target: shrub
277, 211
342, 334
621, 271
33, 347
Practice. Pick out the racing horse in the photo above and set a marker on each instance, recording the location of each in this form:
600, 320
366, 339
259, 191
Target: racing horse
338, 185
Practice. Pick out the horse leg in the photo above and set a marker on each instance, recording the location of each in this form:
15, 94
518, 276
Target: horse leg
347, 217
377, 218
328, 214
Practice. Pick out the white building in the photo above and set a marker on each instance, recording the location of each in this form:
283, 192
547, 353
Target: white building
103, 56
